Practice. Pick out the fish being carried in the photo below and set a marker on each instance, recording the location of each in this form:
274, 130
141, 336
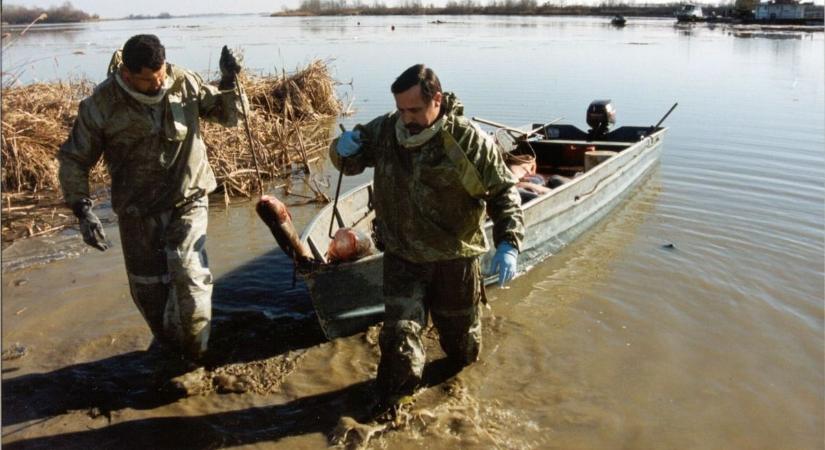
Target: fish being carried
348, 244
275, 215
589, 173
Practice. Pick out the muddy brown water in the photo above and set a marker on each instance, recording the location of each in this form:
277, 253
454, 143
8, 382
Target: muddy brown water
691, 317
302, 389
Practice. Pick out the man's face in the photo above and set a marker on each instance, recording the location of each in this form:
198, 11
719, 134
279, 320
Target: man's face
147, 81
416, 113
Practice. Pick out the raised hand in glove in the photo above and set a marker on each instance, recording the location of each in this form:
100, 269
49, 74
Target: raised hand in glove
504, 262
230, 68
90, 226
349, 143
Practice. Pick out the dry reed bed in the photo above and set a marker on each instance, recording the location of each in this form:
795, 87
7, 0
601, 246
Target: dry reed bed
289, 119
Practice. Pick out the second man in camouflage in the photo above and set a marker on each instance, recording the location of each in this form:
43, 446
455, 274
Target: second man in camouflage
435, 175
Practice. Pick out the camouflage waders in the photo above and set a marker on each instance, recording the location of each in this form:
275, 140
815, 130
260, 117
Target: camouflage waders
156, 157
169, 275
450, 292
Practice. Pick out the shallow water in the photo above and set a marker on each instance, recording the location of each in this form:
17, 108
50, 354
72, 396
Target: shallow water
616, 342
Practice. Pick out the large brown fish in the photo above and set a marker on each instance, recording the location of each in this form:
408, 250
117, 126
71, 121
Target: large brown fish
275, 215
349, 244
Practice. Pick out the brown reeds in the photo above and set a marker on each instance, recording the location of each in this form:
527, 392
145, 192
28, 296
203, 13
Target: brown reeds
289, 117
36, 120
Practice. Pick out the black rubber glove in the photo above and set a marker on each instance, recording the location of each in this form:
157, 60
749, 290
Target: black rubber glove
230, 68
90, 226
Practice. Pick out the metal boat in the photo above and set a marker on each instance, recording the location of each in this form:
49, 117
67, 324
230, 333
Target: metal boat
347, 296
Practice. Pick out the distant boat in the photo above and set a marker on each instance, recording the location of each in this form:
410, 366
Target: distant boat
347, 296
618, 21
689, 13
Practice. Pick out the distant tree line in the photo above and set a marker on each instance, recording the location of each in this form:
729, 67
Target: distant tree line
493, 7
163, 15
14, 14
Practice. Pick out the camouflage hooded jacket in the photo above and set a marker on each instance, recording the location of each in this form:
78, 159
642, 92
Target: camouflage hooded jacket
430, 200
154, 153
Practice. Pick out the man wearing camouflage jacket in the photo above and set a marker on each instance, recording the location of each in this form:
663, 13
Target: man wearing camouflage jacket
435, 172
144, 119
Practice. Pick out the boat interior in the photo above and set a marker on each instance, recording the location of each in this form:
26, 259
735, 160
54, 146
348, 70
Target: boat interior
555, 154
560, 149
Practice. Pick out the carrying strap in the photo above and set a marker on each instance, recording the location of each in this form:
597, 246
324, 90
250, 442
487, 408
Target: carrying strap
468, 174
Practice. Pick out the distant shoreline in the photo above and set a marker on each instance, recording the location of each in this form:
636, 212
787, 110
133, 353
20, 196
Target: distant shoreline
52, 20
719, 14
663, 11
596, 12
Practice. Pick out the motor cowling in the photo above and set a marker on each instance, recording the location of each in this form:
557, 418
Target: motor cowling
600, 116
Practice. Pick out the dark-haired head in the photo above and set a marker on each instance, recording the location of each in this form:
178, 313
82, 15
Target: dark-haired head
144, 64
417, 98
143, 50
419, 75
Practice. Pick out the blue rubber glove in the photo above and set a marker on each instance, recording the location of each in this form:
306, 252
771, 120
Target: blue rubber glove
504, 262
349, 143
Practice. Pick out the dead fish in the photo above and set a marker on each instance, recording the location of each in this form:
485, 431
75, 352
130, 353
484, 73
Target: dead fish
275, 215
349, 244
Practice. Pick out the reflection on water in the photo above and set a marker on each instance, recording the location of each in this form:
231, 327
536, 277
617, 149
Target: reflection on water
764, 35
619, 340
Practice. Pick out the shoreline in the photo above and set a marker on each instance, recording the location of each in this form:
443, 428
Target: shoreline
606, 14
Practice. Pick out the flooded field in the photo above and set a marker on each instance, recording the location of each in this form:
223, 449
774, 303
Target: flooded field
619, 341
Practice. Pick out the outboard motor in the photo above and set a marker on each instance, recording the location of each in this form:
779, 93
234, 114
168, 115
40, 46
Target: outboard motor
600, 115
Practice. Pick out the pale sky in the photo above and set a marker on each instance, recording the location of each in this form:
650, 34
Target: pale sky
115, 9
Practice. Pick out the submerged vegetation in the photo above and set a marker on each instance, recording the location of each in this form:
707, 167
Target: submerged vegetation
18, 15
289, 121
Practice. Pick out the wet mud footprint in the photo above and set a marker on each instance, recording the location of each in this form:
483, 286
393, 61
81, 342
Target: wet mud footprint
259, 377
249, 353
